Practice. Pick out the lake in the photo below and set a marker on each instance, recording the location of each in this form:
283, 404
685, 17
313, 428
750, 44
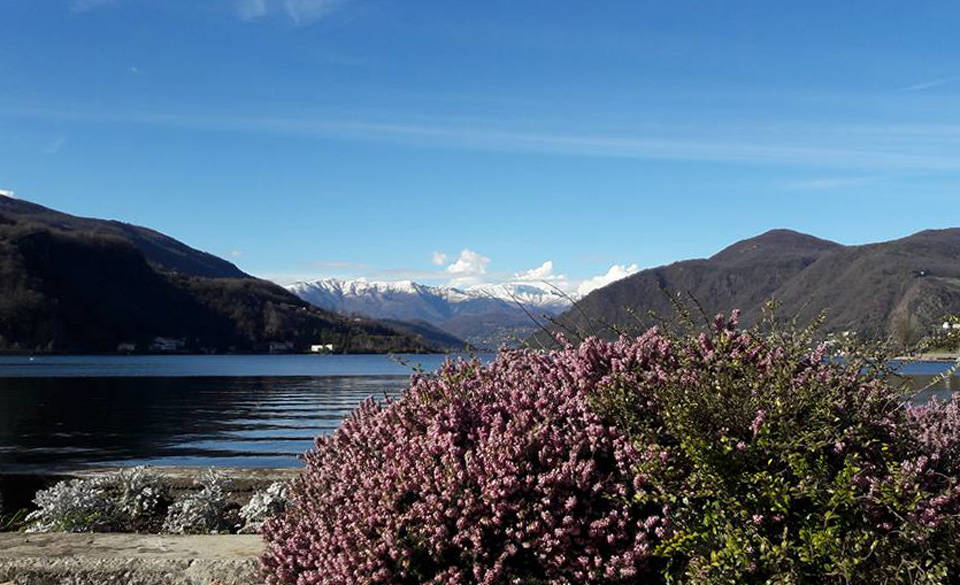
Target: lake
60, 412
65, 412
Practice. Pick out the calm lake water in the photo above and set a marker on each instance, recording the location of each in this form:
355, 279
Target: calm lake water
245, 411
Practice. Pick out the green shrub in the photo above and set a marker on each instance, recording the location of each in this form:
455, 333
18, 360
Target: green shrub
782, 466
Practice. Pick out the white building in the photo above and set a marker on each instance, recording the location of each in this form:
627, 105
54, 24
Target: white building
321, 348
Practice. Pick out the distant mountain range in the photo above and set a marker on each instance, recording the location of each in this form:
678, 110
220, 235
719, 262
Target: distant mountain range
899, 289
80, 285
72, 284
486, 316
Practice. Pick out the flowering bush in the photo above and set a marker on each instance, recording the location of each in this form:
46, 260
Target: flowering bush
729, 456
263, 505
480, 474
206, 511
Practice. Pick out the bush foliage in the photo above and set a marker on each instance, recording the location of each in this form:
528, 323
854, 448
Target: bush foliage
728, 456
263, 505
139, 500
207, 510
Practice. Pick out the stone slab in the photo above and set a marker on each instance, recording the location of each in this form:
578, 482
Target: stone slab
129, 559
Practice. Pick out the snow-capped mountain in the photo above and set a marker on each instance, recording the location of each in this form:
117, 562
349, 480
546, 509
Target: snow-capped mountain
484, 315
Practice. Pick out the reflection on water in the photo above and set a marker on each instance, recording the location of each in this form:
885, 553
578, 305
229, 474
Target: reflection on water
215, 365
923, 379
50, 423
943, 390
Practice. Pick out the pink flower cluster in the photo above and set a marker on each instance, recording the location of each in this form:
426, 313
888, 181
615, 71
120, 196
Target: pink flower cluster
479, 474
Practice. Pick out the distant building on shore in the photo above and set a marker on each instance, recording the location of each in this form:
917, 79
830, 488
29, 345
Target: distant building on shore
321, 348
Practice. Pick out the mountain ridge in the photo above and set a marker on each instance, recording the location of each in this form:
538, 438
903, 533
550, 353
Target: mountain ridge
486, 316
896, 289
162, 251
82, 285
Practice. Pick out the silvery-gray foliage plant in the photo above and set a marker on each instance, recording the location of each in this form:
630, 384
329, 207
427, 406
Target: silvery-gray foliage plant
204, 511
140, 498
130, 499
77, 505
263, 505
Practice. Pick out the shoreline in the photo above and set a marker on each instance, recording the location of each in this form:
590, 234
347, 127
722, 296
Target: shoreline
933, 356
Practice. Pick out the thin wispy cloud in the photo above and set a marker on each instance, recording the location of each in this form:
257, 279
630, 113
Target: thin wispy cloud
251, 9
912, 147
829, 183
340, 265
438, 259
309, 11
55, 145
88, 5
299, 12
931, 84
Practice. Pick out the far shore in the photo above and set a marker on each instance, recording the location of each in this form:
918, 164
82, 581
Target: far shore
933, 356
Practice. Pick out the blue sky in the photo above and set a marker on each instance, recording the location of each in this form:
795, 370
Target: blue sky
383, 138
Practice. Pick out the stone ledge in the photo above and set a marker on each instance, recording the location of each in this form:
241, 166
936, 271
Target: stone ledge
129, 559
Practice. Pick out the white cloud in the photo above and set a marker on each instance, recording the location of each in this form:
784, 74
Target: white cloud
7, 193
438, 259
543, 274
469, 268
134, 70
615, 273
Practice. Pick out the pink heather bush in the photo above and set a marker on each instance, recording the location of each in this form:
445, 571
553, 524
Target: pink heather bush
482, 474
727, 457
